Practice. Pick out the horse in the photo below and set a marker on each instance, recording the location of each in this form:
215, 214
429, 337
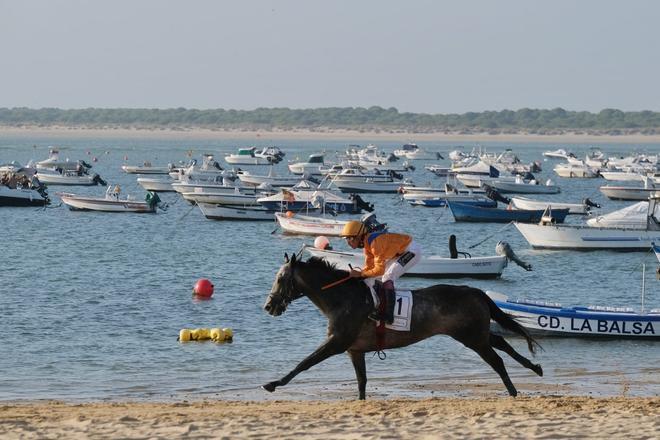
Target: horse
462, 312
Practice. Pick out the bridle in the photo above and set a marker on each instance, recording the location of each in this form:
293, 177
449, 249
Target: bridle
288, 292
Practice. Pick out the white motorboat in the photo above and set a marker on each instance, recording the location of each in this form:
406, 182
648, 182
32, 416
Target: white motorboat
298, 200
218, 184
307, 225
622, 176
22, 196
632, 217
438, 170
428, 267
235, 212
222, 197
209, 169
70, 178
271, 179
413, 152
246, 156
630, 192
111, 202
573, 170
312, 166
156, 184
274, 154
547, 235
529, 204
558, 154
54, 162
355, 180
145, 168
519, 186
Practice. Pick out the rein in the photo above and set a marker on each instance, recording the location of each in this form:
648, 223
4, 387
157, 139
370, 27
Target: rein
335, 283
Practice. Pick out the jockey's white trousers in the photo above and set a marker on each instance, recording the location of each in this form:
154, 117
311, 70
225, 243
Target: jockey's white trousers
395, 267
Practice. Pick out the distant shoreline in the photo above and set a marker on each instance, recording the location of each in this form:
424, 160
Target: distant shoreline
58, 132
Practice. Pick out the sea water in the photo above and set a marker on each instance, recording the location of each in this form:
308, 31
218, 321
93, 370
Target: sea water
91, 303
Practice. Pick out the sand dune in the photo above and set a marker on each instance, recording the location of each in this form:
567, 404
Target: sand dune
535, 417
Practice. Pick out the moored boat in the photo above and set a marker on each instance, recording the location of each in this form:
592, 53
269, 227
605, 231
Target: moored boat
246, 156
22, 197
463, 212
235, 212
145, 168
156, 184
573, 208
111, 202
551, 236
552, 319
308, 225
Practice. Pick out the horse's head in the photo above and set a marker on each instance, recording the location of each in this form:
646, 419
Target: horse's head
284, 289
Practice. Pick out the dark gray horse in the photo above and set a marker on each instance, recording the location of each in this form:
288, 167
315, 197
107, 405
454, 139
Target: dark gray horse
462, 312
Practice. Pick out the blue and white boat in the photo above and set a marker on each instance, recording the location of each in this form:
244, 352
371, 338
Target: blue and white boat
441, 202
552, 319
470, 213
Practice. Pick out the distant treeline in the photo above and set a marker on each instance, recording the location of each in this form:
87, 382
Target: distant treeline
611, 121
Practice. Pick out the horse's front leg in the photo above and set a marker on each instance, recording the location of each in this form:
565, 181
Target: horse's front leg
332, 346
357, 357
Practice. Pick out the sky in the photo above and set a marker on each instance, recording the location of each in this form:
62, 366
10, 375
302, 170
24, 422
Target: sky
420, 56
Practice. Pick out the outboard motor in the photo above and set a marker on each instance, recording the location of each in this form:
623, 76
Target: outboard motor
529, 176
85, 164
372, 225
392, 157
504, 248
393, 174
453, 252
589, 204
361, 204
493, 194
98, 181
535, 167
439, 156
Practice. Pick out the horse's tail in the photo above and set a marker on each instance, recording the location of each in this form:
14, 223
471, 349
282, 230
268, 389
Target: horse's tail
509, 323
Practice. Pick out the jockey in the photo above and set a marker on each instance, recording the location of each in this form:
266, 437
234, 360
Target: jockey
386, 255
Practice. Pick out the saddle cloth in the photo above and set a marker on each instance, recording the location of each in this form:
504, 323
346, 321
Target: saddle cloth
402, 310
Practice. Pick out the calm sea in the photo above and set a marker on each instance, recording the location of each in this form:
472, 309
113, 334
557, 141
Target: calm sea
91, 304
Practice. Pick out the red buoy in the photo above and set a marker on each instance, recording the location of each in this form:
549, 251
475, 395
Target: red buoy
203, 288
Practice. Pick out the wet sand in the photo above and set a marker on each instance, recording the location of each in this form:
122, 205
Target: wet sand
493, 417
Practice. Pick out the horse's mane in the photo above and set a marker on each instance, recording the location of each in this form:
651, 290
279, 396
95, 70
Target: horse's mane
322, 264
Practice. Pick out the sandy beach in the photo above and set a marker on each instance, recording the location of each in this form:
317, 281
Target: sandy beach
535, 417
400, 136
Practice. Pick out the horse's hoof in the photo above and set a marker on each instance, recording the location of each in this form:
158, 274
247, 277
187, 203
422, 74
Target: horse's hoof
270, 387
538, 370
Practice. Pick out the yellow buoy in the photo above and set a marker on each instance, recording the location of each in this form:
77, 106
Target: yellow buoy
184, 335
217, 334
229, 333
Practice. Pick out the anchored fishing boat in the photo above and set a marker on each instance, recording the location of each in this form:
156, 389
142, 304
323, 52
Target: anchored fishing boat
546, 235
22, 197
156, 184
112, 202
464, 212
71, 178
235, 212
630, 192
145, 168
552, 319
307, 225
246, 156
573, 208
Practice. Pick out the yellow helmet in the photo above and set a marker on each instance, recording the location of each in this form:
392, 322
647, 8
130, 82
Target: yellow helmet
353, 228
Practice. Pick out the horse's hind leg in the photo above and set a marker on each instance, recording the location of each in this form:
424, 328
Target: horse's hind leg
498, 342
495, 361
357, 357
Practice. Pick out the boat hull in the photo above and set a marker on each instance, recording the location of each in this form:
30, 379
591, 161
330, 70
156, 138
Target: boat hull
77, 203
305, 225
157, 185
21, 197
628, 193
583, 322
469, 213
242, 213
587, 238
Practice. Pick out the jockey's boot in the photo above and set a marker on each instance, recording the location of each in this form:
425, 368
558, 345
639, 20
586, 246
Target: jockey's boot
385, 310
390, 300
